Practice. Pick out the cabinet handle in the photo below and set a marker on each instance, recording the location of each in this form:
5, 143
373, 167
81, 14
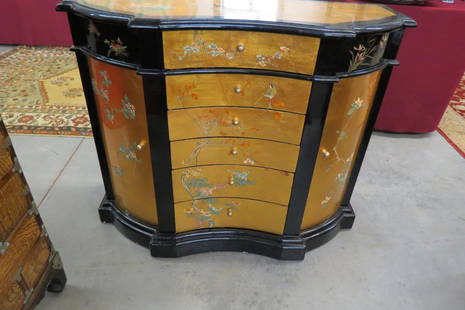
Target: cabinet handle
237, 89
234, 151
230, 212
325, 153
235, 121
240, 47
140, 145
231, 181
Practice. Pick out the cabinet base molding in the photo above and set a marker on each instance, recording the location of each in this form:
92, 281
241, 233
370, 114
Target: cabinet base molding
284, 247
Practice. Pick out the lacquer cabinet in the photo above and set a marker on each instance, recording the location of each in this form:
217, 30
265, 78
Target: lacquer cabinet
229, 125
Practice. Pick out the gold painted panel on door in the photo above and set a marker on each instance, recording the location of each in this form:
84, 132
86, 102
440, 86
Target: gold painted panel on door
269, 92
348, 111
231, 213
239, 49
234, 151
208, 182
119, 97
288, 11
235, 122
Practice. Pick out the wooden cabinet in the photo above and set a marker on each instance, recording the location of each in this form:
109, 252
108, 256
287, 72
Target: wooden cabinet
28, 262
232, 127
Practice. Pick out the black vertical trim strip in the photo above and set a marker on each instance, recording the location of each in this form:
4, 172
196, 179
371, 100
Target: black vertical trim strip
157, 120
390, 53
78, 38
311, 136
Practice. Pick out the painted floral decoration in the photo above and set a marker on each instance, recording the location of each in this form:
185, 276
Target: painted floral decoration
116, 47
362, 55
204, 205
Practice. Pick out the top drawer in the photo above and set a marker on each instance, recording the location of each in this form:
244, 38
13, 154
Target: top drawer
241, 49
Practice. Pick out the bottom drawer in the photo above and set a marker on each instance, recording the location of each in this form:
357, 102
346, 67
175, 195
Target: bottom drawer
36, 263
12, 296
230, 212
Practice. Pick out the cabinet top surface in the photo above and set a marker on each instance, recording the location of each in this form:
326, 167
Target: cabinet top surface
346, 16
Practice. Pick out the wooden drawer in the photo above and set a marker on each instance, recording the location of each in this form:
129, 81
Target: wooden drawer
13, 204
235, 122
269, 92
230, 212
234, 151
242, 49
20, 246
6, 161
12, 295
36, 262
208, 182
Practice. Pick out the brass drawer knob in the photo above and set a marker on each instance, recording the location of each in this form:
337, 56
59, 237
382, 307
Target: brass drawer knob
234, 151
140, 145
235, 121
240, 47
230, 212
325, 153
231, 181
237, 89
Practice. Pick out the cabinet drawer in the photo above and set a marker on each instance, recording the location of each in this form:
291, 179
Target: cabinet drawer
13, 204
235, 122
243, 49
234, 151
269, 92
6, 161
36, 262
12, 295
230, 212
20, 246
208, 182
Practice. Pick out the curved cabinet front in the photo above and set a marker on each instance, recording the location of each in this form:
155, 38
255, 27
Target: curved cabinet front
224, 127
119, 98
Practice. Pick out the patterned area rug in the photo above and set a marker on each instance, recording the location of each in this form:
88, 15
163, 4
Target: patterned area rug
41, 92
452, 125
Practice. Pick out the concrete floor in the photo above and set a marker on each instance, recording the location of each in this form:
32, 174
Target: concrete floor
406, 250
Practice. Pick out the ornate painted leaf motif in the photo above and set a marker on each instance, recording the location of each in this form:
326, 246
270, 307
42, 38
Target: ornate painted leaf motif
211, 48
128, 110
204, 206
263, 60
343, 174
93, 29
116, 47
362, 55
118, 170
130, 152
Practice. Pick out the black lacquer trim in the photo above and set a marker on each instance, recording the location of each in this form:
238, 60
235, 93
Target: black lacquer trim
133, 229
348, 29
283, 74
311, 136
236, 70
229, 239
95, 123
107, 60
236, 106
240, 165
394, 43
237, 197
235, 137
157, 120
